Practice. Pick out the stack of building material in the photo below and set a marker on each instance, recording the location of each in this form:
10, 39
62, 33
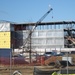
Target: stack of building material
52, 59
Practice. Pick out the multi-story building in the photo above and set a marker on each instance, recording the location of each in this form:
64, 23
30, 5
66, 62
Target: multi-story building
6, 31
47, 36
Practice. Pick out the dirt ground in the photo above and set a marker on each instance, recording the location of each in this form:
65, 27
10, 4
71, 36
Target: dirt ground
25, 70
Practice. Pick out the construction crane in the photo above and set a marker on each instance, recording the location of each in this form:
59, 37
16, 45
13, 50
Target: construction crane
39, 21
28, 39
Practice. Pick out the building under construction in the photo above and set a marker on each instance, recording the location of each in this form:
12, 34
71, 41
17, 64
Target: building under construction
35, 38
47, 36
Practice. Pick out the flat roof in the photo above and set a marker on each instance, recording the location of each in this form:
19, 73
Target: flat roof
48, 23
40, 23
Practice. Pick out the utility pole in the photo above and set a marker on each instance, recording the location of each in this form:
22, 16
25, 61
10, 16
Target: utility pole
30, 51
31, 31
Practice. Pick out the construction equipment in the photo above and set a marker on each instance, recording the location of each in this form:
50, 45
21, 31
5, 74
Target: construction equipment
31, 31
70, 37
27, 42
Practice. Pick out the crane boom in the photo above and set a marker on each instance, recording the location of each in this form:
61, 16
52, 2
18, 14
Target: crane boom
39, 21
42, 18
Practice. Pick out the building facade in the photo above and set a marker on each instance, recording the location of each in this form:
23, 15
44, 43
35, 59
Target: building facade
46, 36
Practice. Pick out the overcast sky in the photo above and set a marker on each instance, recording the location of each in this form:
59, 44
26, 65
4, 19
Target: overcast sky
32, 10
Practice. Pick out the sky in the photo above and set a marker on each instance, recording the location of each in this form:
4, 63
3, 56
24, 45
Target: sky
24, 11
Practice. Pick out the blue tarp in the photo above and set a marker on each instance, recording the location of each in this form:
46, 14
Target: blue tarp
5, 52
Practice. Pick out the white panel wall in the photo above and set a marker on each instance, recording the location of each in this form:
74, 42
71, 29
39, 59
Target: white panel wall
43, 39
6, 26
48, 39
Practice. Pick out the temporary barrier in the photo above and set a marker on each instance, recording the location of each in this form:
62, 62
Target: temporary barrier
42, 60
41, 72
5, 56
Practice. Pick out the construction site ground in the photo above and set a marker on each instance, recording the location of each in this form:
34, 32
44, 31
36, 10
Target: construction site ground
25, 70
28, 69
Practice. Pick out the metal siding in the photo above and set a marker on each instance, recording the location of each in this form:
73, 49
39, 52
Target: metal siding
42, 38
5, 39
48, 39
4, 26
